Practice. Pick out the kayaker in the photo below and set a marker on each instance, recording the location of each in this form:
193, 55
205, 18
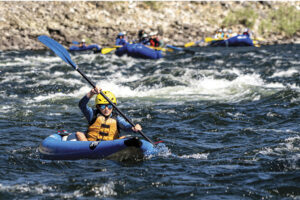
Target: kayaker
104, 124
82, 46
82, 43
154, 41
120, 40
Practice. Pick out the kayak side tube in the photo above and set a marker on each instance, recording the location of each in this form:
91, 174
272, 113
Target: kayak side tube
138, 51
54, 148
84, 48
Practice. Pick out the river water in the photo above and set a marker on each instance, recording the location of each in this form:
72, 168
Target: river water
229, 119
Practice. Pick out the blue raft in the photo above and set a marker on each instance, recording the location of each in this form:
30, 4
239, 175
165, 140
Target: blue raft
239, 40
66, 147
138, 51
84, 48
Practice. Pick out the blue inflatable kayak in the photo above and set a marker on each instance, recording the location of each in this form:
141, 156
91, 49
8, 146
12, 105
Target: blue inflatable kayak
239, 40
84, 48
66, 147
138, 51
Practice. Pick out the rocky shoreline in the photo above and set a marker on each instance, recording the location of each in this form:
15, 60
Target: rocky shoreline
99, 22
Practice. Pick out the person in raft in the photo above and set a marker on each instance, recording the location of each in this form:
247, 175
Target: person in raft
120, 40
104, 124
82, 43
154, 41
140, 35
145, 40
246, 32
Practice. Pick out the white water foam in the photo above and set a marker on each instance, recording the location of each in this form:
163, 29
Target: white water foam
164, 151
286, 73
244, 87
201, 156
289, 150
104, 190
27, 188
197, 84
101, 190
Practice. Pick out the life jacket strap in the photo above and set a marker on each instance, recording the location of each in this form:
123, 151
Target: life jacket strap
105, 126
103, 134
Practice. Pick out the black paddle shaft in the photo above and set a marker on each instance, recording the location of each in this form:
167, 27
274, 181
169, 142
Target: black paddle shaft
115, 107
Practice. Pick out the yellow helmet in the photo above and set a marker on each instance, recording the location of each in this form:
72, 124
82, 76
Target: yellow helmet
101, 100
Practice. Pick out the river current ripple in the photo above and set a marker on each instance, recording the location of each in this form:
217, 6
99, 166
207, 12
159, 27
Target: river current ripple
229, 119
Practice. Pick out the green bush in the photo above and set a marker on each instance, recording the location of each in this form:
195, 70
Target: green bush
153, 5
245, 16
265, 27
285, 20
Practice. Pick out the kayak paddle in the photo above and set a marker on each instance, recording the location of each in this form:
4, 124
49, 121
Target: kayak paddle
109, 49
255, 43
75, 42
60, 51
159, 48
179, 49
209, 39
192, 43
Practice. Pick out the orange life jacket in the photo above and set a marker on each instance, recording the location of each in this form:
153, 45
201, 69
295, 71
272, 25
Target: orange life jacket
103, 129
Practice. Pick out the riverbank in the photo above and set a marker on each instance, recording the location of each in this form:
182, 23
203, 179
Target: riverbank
177, 22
